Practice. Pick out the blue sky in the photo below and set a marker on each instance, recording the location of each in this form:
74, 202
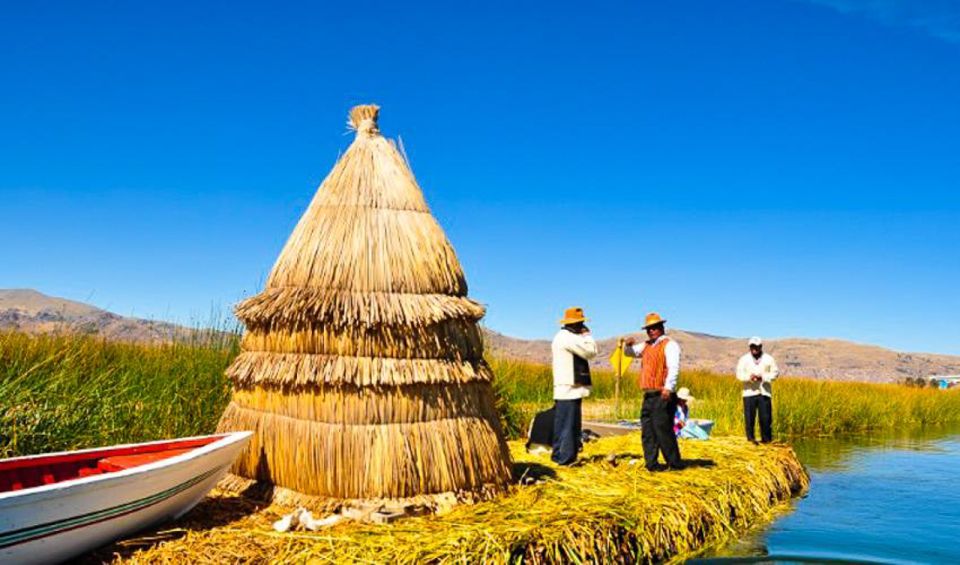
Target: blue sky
782, 168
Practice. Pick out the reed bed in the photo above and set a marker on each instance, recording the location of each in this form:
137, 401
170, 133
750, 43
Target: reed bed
802, 407
606, 510
71, 392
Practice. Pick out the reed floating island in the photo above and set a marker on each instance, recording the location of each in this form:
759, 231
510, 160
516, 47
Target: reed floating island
607, 510
362, 371
363, 380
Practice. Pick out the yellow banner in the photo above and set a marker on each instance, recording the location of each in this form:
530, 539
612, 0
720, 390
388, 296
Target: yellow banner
619, 361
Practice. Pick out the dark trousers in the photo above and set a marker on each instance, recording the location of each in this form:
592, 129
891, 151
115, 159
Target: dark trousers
763, 405
656, 430
566, 431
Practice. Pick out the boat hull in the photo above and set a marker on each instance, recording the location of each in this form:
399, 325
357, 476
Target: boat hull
59, 521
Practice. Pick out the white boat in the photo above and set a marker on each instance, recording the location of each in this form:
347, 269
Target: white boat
623, 427
607, 429
60, 505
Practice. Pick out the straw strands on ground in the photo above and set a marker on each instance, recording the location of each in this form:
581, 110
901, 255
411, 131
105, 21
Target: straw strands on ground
606, 510
362, 372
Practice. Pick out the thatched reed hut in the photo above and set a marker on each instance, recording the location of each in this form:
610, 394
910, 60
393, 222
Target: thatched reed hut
362, 370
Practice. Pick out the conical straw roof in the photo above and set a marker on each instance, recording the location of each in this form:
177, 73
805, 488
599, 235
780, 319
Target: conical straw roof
362, 367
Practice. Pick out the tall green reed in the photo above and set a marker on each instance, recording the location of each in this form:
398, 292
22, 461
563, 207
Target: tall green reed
801, 406
68, 392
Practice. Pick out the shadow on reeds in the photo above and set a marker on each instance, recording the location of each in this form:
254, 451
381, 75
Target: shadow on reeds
611, 459
210, 513
526, 473
619, 458
695, 463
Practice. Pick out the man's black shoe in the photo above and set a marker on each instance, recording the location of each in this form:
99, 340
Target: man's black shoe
678, 467
656, 468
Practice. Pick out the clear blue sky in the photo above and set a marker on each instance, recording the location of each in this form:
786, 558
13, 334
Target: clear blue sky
782, 168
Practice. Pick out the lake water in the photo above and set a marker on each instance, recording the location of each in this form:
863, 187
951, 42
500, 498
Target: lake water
871, 500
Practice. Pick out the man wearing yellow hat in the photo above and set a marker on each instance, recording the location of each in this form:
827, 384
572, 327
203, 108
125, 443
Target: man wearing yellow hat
659, 369
572, 348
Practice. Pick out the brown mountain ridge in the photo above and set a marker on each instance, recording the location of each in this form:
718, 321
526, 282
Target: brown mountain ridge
829, 359
29, 311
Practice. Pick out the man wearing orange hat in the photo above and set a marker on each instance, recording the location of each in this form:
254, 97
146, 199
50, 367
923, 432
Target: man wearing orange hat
659, 369
572, 348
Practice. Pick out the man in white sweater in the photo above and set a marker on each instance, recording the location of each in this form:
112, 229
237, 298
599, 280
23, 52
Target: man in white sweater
757, 370
572, 347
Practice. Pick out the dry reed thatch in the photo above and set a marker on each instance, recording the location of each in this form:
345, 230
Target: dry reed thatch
362, 371
599, 512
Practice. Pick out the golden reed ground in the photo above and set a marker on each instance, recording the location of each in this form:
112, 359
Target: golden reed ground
609, 511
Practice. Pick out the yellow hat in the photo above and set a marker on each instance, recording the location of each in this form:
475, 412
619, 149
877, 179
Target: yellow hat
572, 316
652, 320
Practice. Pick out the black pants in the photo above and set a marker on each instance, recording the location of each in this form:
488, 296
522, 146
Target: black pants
656, 429
762, 404
566, 431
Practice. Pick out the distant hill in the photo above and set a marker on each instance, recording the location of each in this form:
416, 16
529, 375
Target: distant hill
33, 312
828, 359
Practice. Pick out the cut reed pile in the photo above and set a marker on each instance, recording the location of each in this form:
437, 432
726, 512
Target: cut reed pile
601, 511
362, 372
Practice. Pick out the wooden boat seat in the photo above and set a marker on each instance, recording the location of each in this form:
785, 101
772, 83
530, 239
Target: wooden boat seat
121, 462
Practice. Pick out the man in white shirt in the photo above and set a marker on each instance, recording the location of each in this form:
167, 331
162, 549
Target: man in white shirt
572, 348
659, 369
757, 370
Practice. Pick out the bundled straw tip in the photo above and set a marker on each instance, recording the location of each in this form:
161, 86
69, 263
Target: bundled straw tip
363, 118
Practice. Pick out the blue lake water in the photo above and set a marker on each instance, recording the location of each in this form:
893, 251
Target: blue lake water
872, 500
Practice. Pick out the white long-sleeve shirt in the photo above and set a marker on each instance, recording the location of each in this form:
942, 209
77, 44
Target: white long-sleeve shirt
671, 351
765, 366
565, 345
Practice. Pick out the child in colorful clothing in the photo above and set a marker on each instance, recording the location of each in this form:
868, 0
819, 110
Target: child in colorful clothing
682, 425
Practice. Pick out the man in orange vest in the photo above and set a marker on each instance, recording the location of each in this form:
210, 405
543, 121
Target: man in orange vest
659, 368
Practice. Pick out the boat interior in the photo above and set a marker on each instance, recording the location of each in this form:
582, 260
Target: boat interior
28, 472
